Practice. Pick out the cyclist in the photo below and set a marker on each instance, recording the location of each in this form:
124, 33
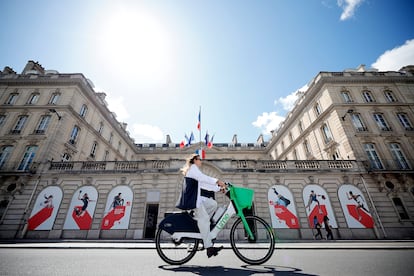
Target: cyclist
205, 205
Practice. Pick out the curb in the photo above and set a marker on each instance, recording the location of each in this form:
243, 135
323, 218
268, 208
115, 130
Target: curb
76, 244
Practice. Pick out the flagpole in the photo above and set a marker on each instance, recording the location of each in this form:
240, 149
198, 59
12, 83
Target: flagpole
201, 147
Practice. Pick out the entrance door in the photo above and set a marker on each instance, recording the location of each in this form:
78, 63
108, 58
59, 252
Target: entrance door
151, 215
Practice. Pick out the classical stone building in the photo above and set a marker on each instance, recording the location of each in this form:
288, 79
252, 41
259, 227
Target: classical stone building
345, 151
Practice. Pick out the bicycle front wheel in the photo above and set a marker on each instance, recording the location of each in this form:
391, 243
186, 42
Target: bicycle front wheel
252, 251
175, 252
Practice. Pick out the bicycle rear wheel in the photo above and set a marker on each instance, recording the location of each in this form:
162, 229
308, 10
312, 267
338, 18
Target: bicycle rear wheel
172, 252
258, 250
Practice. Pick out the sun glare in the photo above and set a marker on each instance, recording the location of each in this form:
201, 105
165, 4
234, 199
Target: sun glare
138, 43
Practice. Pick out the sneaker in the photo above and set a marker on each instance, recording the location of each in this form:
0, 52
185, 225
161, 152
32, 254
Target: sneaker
213, 251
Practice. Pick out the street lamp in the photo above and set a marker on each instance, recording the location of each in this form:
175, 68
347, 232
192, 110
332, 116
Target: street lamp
54, 111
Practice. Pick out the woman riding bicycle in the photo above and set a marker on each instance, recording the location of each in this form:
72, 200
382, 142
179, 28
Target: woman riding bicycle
204, 205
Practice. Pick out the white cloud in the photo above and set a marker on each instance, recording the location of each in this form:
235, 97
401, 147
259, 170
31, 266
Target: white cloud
268, 122
395, 59
289, 101
348, 7
118, 106
143, 133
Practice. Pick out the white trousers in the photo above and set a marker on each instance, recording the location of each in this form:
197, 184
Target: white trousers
202, 215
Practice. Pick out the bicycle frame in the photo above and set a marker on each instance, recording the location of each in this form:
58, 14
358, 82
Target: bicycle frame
229, 213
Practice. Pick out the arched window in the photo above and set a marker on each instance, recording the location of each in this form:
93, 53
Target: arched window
327, 135
12, 98
373, 157
389, 95
83, 111
368, 97
5, 152
346, 97
399, 156
27, 158
54, 98
43, 124
34, 97
18, 127
74, 135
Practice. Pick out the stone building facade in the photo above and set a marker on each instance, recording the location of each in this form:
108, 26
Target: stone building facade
344, 151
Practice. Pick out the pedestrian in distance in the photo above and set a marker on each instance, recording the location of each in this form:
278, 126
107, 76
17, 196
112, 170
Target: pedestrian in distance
328, 228
318, 227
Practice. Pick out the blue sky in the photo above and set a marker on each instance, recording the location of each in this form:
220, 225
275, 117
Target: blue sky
242, 61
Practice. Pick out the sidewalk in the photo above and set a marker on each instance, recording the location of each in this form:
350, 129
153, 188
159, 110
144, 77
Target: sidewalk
147, 244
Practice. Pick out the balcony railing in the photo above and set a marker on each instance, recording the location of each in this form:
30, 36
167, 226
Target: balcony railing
224, 165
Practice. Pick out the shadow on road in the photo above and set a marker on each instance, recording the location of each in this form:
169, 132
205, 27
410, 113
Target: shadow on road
244, 270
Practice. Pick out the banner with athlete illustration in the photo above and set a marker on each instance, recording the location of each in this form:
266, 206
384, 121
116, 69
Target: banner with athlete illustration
317, 204
282, 208
81, 209
355, 207
45, 209
118, 209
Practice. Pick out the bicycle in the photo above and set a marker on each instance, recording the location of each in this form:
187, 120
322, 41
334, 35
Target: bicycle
252, 239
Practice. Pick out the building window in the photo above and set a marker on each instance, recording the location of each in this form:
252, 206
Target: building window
54, 98
3, 206
306, 147
94, 149
74, 135
404, 120
33, 98
83, 111
66, 157
358, 123
380, 120
367, 95
318, 109
399, 206
18, 127
300, 127
106, 155
399, 156
12, 98
295, 155
389, 95
101, 127
2, 119
43, 123
111, 137
326, 133
373, 157
290, 137
27, 158
4, 154
346, 96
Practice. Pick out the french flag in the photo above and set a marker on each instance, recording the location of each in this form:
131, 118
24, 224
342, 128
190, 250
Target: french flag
199, 120
202, 153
